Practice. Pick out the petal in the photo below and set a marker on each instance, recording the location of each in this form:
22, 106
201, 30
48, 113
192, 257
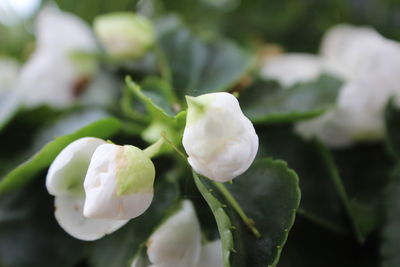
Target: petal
68, 170
211, 255
292, 68
69, 214
177, 242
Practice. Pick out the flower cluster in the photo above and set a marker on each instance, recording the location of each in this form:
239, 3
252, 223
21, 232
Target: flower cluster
99, 186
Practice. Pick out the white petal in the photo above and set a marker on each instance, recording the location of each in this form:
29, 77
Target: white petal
211, 255
69, 214
67, 172
63, 32
220, 141
177, 242
345, 48
292, 68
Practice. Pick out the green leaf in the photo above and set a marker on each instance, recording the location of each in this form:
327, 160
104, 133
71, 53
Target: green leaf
223, 221
390, 233
30, 235
199, 67
321, 201
365, 170
156, 111
272, 205
119, 248
267, 102
28, 170
392, 121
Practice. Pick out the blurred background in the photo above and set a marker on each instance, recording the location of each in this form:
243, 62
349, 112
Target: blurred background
297, 25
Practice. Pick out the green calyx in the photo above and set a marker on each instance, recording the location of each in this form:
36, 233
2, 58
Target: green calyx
135, 171
196, 108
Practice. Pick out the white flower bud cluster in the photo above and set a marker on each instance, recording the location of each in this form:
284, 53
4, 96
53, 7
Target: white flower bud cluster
368, 63
177, 243
220, 140
98, 186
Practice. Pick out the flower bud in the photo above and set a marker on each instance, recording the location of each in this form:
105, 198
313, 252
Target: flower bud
220, 141
124, 34
118, 183
177, 242
65, 181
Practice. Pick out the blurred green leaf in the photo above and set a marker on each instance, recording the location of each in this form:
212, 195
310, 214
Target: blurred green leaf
118, 249
365, 170
267, 102
272, 205
88, 9
28, 170
198, 67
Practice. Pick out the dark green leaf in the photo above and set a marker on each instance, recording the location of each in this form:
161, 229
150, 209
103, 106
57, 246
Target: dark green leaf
119, 248
267, 102
272, 205
30, 235
392, 117
320, 200
28, 170
198, 67
391, 234
310, 245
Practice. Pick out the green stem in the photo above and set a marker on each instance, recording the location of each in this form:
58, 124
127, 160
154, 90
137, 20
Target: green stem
173, 146
153, 149
235, 205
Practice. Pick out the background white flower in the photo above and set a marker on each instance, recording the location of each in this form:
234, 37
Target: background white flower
369, 65
220, 140
53, 75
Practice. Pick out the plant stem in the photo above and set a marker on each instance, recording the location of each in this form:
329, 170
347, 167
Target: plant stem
235, 205
173, 146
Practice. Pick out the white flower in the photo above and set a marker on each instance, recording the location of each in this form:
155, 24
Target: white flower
53, 75
65, 181
369, 64
118, 183
220, 141
292, 68
124, 34
177, 242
